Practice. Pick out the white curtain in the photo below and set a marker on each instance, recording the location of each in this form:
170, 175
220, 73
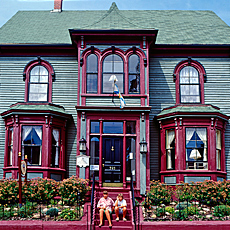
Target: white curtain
170, 138
201, 132
189, 133
56, 135
25, 131
38, 130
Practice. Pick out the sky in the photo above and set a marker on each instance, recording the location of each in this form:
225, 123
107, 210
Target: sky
221, 7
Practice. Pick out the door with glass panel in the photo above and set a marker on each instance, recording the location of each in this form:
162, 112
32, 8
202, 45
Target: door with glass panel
112, 159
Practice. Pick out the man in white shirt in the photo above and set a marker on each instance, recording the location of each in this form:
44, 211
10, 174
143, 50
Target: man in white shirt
120, 207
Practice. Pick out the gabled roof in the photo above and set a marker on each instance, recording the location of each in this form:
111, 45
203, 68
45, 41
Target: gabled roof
174, 26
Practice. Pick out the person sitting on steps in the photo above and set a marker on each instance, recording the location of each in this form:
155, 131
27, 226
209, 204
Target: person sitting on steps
120, 207
105, 205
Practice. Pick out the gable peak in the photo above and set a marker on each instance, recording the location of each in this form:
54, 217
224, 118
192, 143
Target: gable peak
113, 7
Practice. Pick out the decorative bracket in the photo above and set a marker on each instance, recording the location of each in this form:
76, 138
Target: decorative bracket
83, 116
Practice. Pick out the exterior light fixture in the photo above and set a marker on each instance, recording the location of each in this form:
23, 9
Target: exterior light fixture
82, 143
143, 146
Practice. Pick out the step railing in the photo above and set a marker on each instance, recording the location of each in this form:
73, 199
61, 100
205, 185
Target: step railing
92, 201
133, 204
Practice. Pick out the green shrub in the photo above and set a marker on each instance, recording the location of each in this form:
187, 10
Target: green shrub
221, 210
160, 211
68, 214
52, 212
170, 210
159, 193
73, 189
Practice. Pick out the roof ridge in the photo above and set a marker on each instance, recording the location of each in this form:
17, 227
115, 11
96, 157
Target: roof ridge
114, 8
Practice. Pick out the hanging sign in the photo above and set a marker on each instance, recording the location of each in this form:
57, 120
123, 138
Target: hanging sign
23, 167
83, 161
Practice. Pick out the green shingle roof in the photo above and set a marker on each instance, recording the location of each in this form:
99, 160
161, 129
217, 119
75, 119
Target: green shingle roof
35, 108
191, 110
175, 26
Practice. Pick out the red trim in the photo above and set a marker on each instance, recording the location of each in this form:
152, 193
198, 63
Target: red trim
27, 70
201, 72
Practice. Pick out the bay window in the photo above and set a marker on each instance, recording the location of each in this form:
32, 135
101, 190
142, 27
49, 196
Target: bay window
91, 73
134, 74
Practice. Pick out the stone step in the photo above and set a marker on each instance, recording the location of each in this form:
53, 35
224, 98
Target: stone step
114, 223
114, 227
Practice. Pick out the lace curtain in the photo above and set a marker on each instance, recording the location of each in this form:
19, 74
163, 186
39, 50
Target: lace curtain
170, 139
56, 136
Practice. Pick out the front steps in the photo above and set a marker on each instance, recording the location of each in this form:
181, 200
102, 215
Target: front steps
112, 193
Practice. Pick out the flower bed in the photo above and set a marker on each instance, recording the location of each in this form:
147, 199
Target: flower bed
43, 199
208, 200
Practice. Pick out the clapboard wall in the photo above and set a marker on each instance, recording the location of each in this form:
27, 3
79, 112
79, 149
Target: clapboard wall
162, 95
64, 93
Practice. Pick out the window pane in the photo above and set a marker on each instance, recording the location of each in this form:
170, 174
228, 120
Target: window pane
134, 64
38, 92
118, 64
108, 64
170, 149
218, 139
35, 71
112, 127
91, 83
94, 156
34, 78
94, 127
92, 63
32, 144
130, 127
184, 80
196, 148
130, 158
108, 85
134, 85
184, 89
44, 78
43, 71
55, 147
113, 64
194, 90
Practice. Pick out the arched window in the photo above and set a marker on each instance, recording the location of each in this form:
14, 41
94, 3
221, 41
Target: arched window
112, 65
91, 74
190, 77
189, 85
38, 84
134, 74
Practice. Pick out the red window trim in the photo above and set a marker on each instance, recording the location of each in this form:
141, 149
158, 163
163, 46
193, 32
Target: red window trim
202, 75
26, 73
125, 57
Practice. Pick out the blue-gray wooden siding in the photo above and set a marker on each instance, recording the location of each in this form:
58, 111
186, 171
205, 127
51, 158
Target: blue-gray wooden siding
162, 95
12, 90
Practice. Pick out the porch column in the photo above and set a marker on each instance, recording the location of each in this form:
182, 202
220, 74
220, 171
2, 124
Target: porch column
83, 134
142, 158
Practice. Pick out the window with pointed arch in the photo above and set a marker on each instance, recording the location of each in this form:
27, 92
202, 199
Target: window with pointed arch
128, 67
38, 76
190, 77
